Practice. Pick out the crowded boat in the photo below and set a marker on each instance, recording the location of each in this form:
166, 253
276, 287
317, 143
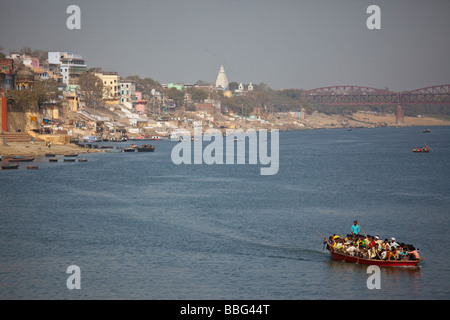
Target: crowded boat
371, 247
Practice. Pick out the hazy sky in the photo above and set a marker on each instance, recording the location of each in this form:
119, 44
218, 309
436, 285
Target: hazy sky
283, 43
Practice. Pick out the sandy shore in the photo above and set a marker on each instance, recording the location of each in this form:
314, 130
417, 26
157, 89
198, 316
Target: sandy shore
390, 120
40, 149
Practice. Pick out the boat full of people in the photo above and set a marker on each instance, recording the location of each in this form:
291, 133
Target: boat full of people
371, 250
422, 149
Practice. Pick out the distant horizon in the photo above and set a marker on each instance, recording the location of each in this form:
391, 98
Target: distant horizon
285, 45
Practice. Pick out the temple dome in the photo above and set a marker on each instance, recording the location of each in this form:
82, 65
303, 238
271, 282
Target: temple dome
24, 75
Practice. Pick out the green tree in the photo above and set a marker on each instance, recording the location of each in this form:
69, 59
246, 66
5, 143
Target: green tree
32, 99
176, 95
91, 89
197, 94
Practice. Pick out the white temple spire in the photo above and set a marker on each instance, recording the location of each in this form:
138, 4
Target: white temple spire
222, 81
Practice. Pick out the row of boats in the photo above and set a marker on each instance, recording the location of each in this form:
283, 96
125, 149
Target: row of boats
13, 162
121, 139
133, 148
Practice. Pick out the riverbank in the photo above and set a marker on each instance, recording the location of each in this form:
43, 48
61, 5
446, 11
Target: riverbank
310, 122
37, 149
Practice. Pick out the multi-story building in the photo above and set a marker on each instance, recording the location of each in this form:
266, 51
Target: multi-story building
128, 94
6, 74
71, 66
111, 84
141, 104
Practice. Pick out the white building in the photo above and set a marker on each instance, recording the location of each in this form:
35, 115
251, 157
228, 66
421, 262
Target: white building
71, 65
127, 92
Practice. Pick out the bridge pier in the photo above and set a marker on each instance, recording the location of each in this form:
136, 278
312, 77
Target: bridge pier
400, 116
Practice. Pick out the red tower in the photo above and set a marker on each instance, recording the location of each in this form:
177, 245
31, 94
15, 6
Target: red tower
4, 112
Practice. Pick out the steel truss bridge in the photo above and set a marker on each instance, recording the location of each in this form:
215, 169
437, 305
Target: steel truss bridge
364, 96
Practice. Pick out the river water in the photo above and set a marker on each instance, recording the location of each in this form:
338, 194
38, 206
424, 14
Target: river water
140, 227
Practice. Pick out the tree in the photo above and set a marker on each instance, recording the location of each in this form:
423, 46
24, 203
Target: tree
176, 95
32, 99
197, 94
91, 89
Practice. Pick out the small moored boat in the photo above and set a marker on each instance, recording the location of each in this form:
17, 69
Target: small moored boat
146, 148
69, 160
114, 150
9, 166
21, 159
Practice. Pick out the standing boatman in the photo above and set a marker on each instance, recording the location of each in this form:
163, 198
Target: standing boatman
355, 228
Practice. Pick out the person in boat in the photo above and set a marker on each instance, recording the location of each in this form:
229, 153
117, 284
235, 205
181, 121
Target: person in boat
385, 245
384, 254
372, 247
394, 244
348, 239
355, 228
339, 246
387, 255
378, 240
403, 253
351, 248
330, 242
362, 242
413, 254
371, 242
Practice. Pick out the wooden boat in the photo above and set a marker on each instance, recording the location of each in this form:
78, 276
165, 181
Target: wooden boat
69, 160
427, 130
71, 155
385, 263
53, 160
82, 160
9, 166
21, 159
422, 149
50, 155
146, 148
114, 150
129, 150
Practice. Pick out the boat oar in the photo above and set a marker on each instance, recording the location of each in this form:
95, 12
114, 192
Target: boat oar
323, 247
319, 234
362, 229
